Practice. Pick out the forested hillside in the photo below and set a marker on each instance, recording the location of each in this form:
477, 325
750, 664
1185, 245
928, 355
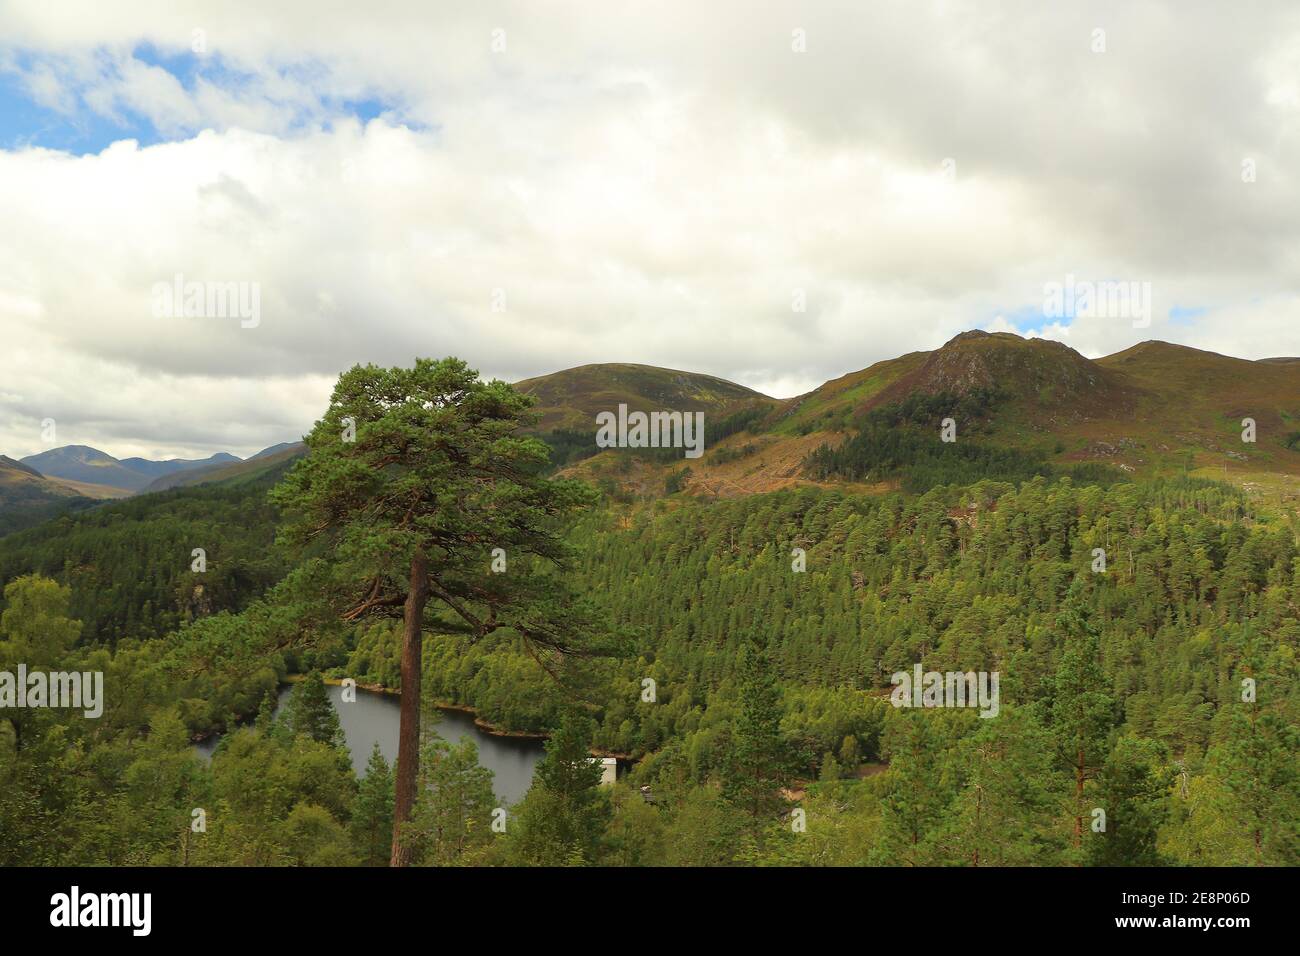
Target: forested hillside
739, 655
129, 563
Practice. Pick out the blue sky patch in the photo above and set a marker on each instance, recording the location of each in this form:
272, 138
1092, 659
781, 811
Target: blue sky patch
1183, 315
81, 129
1028, 318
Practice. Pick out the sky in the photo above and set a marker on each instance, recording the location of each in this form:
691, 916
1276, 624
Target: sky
773, 193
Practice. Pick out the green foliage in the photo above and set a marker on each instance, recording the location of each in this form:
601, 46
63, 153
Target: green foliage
1080, 711
128, 562
561, 819
372, 815
1254, 759
570, 445
901, 441
277, 800
759, 764
1132, 788
438, 473
35, 624
452, 821
1138, 669
36, 631
311, 713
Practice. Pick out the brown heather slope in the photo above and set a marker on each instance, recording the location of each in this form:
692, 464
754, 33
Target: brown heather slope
27, 497
1176, 375
1195, 401
98, 492
572, 398
1049, 376
1152, 409
260, 463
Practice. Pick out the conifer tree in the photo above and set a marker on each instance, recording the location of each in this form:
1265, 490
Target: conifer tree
453, 811
920, 789
372, 814
312, 714
1256, 762
266, 723
760, 757
561, 819
1132, 789
415, 476
1081, 709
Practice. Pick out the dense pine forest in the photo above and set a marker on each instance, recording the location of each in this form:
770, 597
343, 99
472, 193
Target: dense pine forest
739, 663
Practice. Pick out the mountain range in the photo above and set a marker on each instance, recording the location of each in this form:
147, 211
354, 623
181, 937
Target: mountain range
91, 466
75, 477
1151, 409
1155, 408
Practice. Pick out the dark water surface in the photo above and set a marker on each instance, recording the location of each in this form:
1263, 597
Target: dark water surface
374, 717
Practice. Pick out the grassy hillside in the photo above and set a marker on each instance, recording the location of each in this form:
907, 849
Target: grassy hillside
87, 490
260, 464
571, 399
27, 498
1193, 403
1153, 410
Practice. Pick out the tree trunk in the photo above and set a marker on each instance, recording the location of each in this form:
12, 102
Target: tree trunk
408, 735
1078, 800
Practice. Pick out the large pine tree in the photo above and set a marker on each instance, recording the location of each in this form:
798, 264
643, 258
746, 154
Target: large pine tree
415, 476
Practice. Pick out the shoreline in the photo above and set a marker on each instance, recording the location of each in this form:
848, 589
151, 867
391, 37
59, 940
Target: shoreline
479, 722
487, 727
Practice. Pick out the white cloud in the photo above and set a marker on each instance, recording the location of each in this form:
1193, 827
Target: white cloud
648, 185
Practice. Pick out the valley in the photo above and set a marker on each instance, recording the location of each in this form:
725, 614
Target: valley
764, 592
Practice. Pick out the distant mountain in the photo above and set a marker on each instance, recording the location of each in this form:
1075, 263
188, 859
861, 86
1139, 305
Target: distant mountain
156, 469
572, 398
264, 461
7, 462
28, 498
275, 449
1196, 401
1155, 408
80, 463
